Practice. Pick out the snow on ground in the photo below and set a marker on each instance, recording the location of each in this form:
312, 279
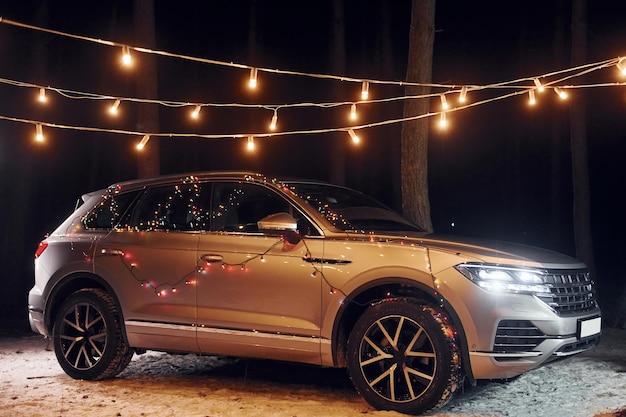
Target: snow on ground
155, 384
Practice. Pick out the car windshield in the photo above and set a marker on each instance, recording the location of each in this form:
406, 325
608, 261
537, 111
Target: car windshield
350, 210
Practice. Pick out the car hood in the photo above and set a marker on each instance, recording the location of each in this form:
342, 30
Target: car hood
497, 252
501, 252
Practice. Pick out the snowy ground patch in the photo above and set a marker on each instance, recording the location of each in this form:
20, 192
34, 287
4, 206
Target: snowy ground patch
157, 384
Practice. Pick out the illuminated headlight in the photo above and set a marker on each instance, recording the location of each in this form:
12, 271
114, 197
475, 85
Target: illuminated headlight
498, 278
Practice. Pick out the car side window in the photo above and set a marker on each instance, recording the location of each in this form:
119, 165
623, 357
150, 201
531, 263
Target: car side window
170, 207
237, 207
109, 211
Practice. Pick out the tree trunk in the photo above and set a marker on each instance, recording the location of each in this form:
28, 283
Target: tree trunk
578, 122
148, 160
338, 60
414, 136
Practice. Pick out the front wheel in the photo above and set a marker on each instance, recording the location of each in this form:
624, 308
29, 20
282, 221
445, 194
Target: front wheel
87, 336
403, 356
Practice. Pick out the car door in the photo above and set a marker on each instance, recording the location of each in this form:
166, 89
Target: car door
257, 295
150, 259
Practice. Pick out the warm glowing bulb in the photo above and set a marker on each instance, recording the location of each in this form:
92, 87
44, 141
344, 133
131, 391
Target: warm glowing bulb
365, 90
463, 95
274, 121
143, 142
355, 138
252, 83
196, 112
621, 66
538, 84
443, 121
126, 58
444, 102
353, 115
42, 95
562, 94
250, 145
39, 133
531, 97
113, 108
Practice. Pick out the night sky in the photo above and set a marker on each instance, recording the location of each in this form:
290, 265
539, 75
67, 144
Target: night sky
495, 172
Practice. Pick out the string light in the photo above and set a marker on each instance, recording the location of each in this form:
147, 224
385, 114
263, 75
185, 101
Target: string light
531, 97
126, 57
113, 108
355, 138
252, 82
463, 95
444, 102
365, 90
562, 94
142, 143
353, 115
39, 133
42, 95
196, 112
274, 120
250, 145
620, 66
443, 121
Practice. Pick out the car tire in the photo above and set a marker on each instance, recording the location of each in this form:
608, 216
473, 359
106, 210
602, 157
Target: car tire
403, 356
87, 336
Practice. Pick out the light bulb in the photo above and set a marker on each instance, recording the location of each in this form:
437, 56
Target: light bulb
444, 102
531, 97
353, 114
540, 87
252, 83
250, 145
126, 58
355, 138
113, 108
39, 133
365, 90
274, 120
196, 112
42, 95
562, 94
621, 67
143, 142
443, 121
463, 95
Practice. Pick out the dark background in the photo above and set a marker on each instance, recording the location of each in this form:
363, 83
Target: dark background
501, 170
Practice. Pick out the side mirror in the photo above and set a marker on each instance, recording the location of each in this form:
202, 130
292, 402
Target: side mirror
280, 224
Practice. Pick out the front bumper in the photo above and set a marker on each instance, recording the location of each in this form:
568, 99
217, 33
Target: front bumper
522, 345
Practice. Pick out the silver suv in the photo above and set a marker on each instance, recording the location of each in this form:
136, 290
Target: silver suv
237, 264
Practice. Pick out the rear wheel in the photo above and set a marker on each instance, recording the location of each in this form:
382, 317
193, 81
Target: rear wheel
403, 356
87, 336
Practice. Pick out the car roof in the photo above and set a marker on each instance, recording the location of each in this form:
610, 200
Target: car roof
208, 175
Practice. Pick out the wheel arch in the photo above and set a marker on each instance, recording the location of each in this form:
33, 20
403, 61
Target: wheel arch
388, 288
69, 285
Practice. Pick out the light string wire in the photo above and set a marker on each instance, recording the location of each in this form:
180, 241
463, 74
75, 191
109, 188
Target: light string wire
275, 70
452, 89
208, 61
313, 131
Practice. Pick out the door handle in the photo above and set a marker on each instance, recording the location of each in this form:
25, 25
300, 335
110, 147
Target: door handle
210, 258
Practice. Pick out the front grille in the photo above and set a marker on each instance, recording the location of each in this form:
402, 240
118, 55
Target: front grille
571, 292
514, 336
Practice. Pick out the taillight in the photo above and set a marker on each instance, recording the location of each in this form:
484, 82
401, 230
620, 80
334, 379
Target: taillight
42, 247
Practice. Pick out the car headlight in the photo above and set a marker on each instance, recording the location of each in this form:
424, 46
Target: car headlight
497, 278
